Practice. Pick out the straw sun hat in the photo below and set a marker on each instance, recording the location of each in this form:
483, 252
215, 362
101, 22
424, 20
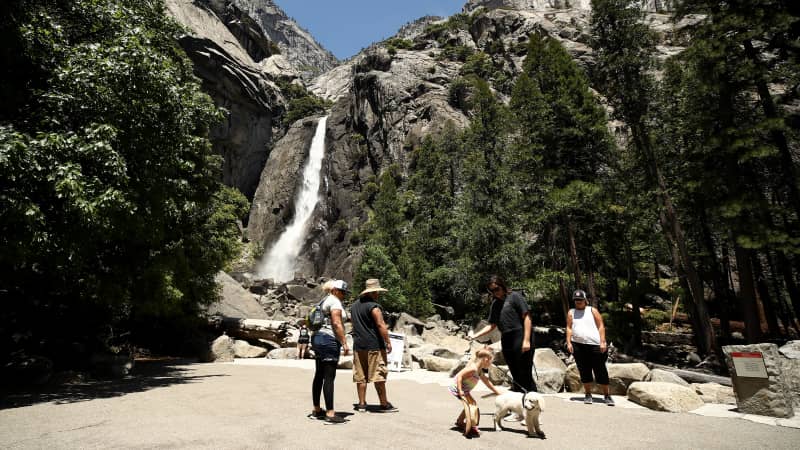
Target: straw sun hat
373, 285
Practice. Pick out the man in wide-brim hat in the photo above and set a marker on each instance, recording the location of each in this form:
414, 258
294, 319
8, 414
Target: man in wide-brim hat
370, 346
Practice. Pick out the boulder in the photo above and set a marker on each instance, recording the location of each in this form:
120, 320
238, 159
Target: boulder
222, 349
620, 377
406, 323
235, 301
546, 358
774, 394
666, 377
549, 380
437, 364
715, 393
243, 349
283, 353
661, 396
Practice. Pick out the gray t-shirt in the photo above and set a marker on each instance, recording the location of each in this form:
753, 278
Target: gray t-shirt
331, 303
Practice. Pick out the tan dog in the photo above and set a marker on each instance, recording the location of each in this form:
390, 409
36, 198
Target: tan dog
528, 405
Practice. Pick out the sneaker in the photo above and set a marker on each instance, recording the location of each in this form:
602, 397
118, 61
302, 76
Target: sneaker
387, 408
587, 399
333, 419
360, 408
319, 415
609, 400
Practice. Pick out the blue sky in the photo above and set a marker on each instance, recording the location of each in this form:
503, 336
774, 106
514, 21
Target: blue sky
346, 26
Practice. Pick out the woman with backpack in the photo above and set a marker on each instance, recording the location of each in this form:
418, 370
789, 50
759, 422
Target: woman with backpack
328, 341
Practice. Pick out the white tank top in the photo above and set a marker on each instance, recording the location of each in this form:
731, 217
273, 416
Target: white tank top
584, 329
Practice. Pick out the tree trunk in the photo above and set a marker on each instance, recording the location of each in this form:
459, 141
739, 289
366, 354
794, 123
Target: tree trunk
747, 295
564, 297
590, 285
722, 290
791, 286
770, 315
573, 253
271, 330
636, 312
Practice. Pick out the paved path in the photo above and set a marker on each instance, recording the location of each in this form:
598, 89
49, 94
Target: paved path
263, 404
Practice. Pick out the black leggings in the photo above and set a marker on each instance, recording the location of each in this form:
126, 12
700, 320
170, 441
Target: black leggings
519, 364
323, 383
589, 358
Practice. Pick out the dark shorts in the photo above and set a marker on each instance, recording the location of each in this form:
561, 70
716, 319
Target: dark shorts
326, 347
590, 359
303, 340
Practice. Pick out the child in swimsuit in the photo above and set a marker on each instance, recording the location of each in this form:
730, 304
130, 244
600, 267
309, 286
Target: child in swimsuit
466, 380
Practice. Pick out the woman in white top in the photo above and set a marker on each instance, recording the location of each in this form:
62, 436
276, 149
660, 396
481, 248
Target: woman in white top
586, 339
327, 343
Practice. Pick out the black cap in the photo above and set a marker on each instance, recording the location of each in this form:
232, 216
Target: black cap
579, 295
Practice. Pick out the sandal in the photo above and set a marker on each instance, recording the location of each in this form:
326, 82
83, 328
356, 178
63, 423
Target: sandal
388, 407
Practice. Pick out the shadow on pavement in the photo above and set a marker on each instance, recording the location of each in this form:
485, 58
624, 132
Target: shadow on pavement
146, 375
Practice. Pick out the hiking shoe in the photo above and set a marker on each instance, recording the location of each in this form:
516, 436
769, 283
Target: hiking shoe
333, 419
360, 408
387, 408
587, 399
609, 400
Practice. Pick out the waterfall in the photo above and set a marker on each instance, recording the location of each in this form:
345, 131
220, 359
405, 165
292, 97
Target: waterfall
279, 262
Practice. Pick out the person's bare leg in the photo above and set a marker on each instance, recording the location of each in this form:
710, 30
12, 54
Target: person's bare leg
380, 388
361, 388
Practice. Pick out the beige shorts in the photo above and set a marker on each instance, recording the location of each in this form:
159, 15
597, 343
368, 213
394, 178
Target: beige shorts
369, 366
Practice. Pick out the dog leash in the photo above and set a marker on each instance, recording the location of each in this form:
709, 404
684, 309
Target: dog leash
505, 375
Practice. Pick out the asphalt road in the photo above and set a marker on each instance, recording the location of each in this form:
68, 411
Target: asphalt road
197, 406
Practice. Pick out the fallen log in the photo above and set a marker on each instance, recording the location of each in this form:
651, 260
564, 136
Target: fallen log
252, 329
694, 377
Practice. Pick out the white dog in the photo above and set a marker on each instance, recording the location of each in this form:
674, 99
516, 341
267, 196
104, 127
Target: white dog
528, 405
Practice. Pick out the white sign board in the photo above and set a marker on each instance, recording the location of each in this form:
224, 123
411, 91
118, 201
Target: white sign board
395, 358
749, 364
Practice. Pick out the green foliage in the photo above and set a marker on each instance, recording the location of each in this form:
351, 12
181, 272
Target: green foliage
478, 64
302, 103
111, 213
400, 43
375, 263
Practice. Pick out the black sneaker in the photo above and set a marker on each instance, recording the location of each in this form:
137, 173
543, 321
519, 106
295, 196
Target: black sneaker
587, 399
333, 419
387, 408
609, 400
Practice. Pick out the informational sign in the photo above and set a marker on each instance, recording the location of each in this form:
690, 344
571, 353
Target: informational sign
749, 364
395, 358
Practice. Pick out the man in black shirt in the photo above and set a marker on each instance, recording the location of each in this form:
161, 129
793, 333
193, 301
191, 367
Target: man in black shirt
370, 346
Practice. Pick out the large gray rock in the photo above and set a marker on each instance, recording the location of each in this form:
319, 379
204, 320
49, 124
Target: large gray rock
437, 364
283, 353
235, 301
666, 377
222, 349
791, 371
549, 380
620, 376
243, 349
406, 322
546, 358
662, 396
715, 393
777, 394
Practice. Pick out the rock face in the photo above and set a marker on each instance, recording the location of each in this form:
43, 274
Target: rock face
391, 96
222, 47
472, 5
306, 55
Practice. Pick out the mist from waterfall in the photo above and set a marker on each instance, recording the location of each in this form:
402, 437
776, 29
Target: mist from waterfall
280, 262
